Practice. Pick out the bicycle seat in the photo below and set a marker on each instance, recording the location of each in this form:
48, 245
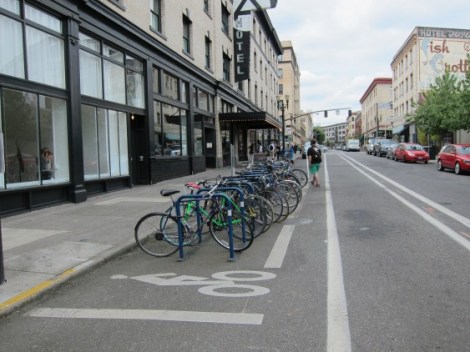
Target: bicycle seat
168, 192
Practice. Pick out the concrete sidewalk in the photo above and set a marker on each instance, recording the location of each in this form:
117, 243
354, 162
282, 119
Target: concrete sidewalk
45, 248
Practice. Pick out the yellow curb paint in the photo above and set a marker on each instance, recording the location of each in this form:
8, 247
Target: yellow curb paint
34, 290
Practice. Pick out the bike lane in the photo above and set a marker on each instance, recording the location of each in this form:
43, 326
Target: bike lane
273, 297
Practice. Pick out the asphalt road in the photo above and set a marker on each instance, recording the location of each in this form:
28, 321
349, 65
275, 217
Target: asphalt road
374, 260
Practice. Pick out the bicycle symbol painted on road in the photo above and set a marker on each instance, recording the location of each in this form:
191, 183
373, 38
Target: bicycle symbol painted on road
221, 284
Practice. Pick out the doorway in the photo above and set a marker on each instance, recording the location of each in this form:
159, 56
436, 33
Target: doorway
140, 164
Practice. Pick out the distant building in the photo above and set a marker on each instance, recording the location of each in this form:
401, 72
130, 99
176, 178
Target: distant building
376, 106
289, 85
335, 134
426, 54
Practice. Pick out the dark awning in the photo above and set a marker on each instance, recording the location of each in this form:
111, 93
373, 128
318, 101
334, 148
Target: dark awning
251, 120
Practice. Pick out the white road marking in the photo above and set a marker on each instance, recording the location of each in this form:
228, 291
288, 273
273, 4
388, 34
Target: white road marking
445, 229
462, 219
339, 337
276, 257
148, 314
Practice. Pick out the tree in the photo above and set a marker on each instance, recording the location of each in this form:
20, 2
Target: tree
318, 134
445, 107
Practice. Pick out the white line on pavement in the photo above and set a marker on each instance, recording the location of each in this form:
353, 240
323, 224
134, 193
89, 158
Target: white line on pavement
339, 338
148, 314
445, 229
278, 253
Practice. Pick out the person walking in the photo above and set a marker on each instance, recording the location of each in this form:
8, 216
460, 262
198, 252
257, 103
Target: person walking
314, 159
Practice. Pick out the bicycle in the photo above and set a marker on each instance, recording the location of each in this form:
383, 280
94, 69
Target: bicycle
157, 233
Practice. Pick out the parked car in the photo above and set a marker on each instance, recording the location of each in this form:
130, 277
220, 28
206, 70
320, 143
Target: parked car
370, 145
411, 152
391, 151
381, 146
353, 145
455, 157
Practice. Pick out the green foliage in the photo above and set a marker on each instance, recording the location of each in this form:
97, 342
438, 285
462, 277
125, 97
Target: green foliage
318, 134
446, 105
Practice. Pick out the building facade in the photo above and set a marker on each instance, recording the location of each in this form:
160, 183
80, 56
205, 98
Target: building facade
289, 86
98, 95
425, 55
354, 129
376, 109
335, 134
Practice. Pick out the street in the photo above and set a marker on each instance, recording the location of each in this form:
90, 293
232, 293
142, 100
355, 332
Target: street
376, 259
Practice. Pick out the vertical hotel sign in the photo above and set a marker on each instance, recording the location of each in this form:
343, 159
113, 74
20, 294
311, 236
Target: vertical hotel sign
242, 28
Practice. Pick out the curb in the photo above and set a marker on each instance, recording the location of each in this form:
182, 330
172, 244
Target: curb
37, 292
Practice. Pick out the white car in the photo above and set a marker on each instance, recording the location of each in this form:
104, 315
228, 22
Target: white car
353, 145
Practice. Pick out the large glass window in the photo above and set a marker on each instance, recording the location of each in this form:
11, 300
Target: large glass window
11, 48
35, 139
108, 73
170, 86
105, 151
45, 58
170, 130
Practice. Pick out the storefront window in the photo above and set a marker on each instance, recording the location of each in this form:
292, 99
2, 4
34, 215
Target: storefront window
169, 86
135, 82
170, 131
45, 58
35, 139
119, 75
105, 151
11, 48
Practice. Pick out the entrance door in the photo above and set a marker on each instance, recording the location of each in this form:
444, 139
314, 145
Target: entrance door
140, 165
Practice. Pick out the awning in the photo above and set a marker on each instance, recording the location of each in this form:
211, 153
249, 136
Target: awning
251, 120
400, 129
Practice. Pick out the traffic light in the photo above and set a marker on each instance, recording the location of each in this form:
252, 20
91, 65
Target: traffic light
349, 113
326, 113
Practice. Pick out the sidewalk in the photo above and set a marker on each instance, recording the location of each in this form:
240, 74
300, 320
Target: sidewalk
45, 248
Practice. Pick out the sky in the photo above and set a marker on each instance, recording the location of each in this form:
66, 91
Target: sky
342, 45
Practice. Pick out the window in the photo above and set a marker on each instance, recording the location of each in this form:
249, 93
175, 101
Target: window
226, 68
156, 16
206, 6
280, 73
281, 89
186, 35
110, 74
170, 130
169, 86
41, 38
35, 139
208, 50
225, 20
105, 152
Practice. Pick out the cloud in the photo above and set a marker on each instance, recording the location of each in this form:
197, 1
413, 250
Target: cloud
342, 45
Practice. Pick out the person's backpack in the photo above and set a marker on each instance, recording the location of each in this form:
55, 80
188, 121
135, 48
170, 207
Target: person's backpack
316, 155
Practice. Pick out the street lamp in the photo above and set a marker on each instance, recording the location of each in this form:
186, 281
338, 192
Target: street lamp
283, 105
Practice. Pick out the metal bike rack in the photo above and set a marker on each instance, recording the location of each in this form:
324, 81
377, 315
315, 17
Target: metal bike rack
198, 198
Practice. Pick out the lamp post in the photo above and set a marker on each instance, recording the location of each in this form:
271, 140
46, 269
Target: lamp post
283, 105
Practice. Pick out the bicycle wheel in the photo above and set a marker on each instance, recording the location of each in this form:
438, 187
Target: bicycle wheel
267, 208
301, 176
157, 234
255, 212
277, 205
291, 195
242, 232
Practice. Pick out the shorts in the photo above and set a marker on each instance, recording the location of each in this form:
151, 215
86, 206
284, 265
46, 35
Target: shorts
314, 168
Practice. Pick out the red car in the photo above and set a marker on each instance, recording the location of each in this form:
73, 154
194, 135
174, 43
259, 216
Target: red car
455, 157
411, 152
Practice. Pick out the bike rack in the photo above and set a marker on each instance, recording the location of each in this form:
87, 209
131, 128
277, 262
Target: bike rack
198, 197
